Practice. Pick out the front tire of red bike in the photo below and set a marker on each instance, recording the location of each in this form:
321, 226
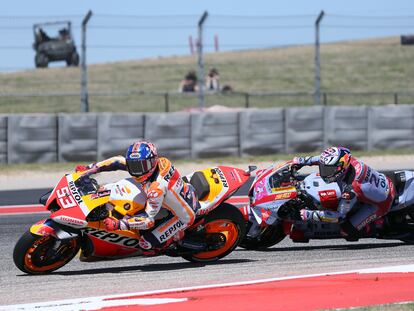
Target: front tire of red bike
34, 254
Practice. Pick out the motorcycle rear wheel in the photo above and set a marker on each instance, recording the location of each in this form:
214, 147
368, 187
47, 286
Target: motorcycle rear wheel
227, 222
269, 236
35, 254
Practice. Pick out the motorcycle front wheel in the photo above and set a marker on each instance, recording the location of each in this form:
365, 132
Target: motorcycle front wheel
35, 254
268, 237
225, 223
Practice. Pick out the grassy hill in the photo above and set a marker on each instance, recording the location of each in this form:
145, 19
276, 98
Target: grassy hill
380, 65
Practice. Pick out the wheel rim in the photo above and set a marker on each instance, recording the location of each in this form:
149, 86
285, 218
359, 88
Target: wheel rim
228, 231
41, 256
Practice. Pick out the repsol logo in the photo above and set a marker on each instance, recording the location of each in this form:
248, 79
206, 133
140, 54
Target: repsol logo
113, 237
170, 231
222, 178
75, 192
169, 174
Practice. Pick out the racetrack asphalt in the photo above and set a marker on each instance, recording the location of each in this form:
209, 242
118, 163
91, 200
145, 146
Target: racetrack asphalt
78, 279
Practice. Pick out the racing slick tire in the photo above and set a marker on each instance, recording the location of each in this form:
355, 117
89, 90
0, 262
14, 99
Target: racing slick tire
226, 222
34, 254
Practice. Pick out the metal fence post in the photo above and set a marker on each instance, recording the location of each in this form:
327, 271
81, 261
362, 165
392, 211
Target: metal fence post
167, 102
200, 60
84, 79
318, 60
247, 100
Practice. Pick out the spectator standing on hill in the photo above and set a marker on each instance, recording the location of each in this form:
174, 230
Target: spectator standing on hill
212, 80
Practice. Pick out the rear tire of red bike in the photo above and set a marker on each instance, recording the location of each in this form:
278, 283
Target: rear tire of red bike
225, 219
35, 254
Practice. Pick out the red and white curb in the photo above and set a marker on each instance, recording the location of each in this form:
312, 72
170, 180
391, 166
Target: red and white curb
285, 293
22, 209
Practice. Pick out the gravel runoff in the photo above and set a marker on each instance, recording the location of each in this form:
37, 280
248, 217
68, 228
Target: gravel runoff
42, 179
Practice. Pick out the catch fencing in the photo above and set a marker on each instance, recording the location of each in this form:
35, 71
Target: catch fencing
246, 132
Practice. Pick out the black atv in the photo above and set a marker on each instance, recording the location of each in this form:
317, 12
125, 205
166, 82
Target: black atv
49, 49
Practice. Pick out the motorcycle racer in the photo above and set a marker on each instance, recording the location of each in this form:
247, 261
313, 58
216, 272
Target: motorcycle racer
164, 188
360, 184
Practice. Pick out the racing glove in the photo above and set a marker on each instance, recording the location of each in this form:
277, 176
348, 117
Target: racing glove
81, 168
112, 224
140, 223
299, 162
319, 216
87, 170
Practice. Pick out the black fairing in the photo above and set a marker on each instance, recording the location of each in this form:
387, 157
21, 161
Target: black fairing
43, 198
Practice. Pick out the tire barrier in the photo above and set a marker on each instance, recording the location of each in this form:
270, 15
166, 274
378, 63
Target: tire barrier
26, 138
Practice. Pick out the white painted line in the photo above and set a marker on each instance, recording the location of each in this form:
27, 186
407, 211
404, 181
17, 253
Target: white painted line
403, 268
90, 304
79, 304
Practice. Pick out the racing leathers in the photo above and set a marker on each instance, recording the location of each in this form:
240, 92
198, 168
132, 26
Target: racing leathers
164, 189
372, 191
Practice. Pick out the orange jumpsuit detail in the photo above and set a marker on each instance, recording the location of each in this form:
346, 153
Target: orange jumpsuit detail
165, 189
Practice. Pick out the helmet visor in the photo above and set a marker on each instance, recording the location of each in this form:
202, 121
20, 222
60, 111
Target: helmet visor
140, 167
327, 170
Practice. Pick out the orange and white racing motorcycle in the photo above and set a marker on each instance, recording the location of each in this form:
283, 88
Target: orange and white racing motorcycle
78, 206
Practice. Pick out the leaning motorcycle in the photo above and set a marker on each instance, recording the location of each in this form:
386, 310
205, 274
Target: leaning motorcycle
78, 206
278, 193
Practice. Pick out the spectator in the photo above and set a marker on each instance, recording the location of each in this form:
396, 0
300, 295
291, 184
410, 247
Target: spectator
212, 80
63, 34
43, 36
189, 84
227, 89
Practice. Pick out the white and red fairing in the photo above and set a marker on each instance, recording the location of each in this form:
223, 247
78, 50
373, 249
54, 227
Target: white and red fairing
265, 200
73, 212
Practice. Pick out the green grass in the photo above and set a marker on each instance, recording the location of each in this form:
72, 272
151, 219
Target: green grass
381, 65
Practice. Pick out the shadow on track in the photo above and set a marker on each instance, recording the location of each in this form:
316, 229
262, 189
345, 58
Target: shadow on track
341, 247
146, 268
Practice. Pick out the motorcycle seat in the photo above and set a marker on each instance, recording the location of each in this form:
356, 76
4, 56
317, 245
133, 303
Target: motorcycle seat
200, 183
398, 179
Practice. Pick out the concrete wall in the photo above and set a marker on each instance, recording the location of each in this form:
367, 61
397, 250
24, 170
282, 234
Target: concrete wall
170, 132
117, 131
262, 132
304, 129
347, 126
92, 137
215, 134
32, 138
391, 128
77, 139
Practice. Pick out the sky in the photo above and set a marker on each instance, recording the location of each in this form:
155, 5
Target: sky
133, 29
